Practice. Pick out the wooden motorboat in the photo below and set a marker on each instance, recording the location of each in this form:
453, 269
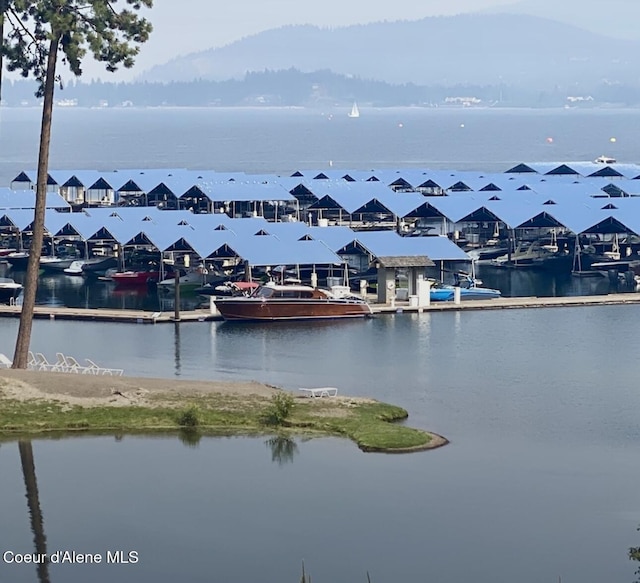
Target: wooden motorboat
291, 302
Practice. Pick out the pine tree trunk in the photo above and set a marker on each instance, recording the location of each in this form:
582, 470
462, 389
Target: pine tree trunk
20, 356
3, 7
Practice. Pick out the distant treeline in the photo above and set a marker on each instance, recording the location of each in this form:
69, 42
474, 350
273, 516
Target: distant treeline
292, 87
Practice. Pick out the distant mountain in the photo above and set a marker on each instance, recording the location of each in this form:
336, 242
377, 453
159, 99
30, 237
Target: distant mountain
521, 50
614, 18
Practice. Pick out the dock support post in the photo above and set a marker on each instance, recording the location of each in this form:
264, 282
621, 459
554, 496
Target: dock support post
176, 295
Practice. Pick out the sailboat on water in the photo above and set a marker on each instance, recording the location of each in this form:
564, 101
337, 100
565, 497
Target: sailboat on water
355, 112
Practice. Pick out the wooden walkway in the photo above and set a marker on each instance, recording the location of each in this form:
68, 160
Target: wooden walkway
109, 315
202, 315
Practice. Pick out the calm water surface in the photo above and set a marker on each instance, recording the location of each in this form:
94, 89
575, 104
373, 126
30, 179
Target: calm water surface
285, 140
539, 481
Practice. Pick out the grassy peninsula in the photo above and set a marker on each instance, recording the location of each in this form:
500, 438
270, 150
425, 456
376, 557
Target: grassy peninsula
38, 402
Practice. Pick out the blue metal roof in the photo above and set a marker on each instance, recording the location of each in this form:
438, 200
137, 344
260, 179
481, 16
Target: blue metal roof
389, 243
26, 199
245, 191
264, 250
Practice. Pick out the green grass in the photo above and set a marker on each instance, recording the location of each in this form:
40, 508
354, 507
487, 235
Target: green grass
371, 425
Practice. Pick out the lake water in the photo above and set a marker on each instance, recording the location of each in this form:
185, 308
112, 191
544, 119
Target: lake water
540, 478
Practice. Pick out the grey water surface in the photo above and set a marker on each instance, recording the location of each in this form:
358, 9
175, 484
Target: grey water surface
539, 480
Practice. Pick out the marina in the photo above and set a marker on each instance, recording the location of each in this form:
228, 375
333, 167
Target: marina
539, 404
338, 229
398, 307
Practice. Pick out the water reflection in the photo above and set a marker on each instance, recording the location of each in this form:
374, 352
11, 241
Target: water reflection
283, 449
176, 347
190, 437
522, 282
59, 289
33, 501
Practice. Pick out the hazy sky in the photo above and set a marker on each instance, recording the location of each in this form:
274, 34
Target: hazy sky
185, 26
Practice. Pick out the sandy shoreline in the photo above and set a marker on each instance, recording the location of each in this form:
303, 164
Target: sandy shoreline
94, 393
95, 390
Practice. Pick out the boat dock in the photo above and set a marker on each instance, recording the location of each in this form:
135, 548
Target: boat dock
109, 315
202, 315
514, 303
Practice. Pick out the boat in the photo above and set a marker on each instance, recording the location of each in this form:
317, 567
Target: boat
536, 255
75, 268
18, 259
137, 277
97, 266
469, 290
50, 263
273, 301
355, 112
9, 290
486, 254
605, 160
187, 281
228, 288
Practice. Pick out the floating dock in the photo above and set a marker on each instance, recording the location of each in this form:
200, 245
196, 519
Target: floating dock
109, 315
202, 315
514, 303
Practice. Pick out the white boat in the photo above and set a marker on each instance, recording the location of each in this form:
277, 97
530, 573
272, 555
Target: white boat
75, 268
9, 290
56, 263
191, 279
355, 112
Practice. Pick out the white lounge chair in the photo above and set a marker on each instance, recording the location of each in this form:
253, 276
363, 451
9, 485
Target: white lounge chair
93, 368
73, 365
5, 362
321, 392
61, 365
41, 363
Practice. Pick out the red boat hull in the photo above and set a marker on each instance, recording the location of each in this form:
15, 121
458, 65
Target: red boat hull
135, 277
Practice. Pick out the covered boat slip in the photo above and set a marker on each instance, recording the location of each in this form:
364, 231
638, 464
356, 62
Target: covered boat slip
598, 204
252, 245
